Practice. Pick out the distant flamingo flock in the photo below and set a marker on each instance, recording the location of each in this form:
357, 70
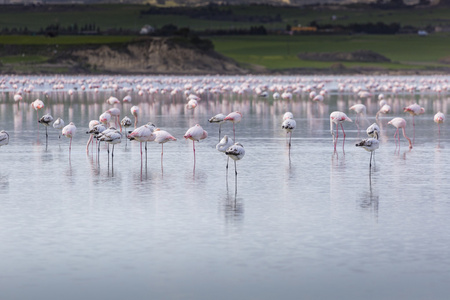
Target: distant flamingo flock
111, 130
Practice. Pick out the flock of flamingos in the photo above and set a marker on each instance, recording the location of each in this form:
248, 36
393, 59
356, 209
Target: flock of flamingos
111, 130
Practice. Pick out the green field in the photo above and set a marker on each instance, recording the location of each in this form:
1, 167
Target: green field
279, 52
128, 17
63, 40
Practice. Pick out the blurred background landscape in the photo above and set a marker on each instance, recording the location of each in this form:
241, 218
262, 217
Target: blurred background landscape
233, 37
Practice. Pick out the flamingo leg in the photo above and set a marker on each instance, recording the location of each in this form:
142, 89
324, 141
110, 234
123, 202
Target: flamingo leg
336, 138
370, 163
290, 137
162, 153
343, 132
235, 169
89, 141
141, 152
70, 146
193, 147
220, 130
234, 133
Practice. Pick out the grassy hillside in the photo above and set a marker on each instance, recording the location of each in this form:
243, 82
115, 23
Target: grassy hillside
130, 17
279, 52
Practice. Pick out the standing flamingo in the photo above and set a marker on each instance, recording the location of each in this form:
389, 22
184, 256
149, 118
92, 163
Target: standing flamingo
126, 122
58, 124
414, 110
69, 132
439, 118
162, 137
289, 125
400, 123
218, 119
112, 137
115, 112
4, 138
104, 118
134, 111
338, 117
371, 144
92, 124
37, 105
224, 144
236, 152
143, 134
384, 108
234, 117
46, 120
195, 133
360, 110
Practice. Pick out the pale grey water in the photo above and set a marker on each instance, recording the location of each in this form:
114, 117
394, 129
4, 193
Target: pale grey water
312, 225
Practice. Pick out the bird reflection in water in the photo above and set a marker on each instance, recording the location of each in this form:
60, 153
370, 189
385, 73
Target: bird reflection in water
233, 207
369, 198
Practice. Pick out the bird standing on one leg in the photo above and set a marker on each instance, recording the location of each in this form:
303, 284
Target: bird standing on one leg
236, 152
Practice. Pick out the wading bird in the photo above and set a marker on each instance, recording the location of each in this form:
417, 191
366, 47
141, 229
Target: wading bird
162, 137
236, 152
338, 117
399, 123
46, 120
59, 125
289, 125
439, 118
224, 144
218, 119
234, 117
69, 132
195, 133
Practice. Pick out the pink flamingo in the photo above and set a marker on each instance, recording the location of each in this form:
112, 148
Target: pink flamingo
37, 105
92, 124
115, 112
338, 117
414, 110
400, 123
289, 125
162, 137
195, 133
134, 111
234, 117
439, 118
143, 134
69, 132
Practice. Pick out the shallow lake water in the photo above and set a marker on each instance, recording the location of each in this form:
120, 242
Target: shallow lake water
295, 223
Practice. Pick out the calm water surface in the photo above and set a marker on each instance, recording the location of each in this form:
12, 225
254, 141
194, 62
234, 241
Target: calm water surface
298, 224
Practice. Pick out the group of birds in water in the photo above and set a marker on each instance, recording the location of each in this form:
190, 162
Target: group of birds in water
103, 131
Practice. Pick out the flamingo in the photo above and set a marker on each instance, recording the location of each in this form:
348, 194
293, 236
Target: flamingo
58, 124
46, 120
69, 132
439, 118
127, 99
191, 104
162, 137
373, 131
92, 124
111, 137
289, 125
126, 122
236, 152
234, 117
17, 98
104, 118
4, 138
115, 112
338, 117
37, 105
384, 108
195, 133
134, 111
218, 119
400, 123
224, 144
370, 144
359, 109
143, 134
112, 100
96, 131
414, 110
